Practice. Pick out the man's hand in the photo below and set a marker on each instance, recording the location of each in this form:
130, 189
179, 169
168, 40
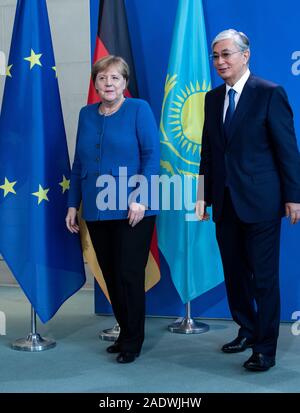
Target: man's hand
200, 211
292, 211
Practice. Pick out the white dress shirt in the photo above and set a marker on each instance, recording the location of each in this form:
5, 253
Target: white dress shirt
238, 87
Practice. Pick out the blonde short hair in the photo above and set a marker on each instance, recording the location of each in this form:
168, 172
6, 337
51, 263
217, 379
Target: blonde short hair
105, 62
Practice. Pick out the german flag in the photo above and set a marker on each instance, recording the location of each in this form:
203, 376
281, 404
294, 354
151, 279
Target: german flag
113, 39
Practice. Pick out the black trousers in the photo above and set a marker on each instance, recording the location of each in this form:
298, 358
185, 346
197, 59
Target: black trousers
122, 252
250, 256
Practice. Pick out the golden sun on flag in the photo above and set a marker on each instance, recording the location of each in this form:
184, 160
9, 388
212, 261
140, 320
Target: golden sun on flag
181, 124
187, 116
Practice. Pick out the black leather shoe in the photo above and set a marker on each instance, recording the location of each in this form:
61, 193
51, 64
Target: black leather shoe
113, 349
126, 357
259, 362
238, 345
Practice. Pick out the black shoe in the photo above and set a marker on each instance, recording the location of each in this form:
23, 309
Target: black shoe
126, 357
238, 345
259, 362
113, 349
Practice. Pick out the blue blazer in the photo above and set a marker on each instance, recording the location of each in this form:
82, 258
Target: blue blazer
105, 146
260, 161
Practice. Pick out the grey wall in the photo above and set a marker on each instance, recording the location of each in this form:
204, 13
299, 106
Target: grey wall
70, 28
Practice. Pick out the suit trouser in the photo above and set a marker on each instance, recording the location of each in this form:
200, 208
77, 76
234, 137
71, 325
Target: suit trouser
250, 256
122, 252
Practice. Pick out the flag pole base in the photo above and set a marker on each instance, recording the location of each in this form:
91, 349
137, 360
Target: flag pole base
32, 343
110, 334
187, 325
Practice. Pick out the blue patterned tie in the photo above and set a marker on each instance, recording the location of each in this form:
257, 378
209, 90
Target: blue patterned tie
229, 112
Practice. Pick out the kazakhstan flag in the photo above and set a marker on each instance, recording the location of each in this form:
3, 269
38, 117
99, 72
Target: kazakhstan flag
34, 169
189, 246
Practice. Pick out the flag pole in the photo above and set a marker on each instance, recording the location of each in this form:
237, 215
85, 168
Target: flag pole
33, 342
187, 325
110, 334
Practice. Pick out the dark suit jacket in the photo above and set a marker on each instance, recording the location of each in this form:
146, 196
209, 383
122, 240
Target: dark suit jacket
260, 161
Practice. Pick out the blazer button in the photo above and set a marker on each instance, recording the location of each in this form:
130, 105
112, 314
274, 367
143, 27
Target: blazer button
98, 145
97, 159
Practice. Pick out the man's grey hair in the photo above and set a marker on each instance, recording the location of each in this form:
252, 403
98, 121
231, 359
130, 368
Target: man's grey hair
239, 38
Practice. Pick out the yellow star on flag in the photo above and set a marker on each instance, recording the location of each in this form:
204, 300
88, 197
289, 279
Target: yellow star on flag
8, 187
65, 184
34, 59
8, 70
55, 70
41, 194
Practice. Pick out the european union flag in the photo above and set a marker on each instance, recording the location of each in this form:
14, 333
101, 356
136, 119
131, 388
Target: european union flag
34, 169
189, 247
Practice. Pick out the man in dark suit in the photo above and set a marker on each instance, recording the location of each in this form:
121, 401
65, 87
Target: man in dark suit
251, 167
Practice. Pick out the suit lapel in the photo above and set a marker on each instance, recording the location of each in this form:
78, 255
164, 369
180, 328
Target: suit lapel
245, 102
219, 112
